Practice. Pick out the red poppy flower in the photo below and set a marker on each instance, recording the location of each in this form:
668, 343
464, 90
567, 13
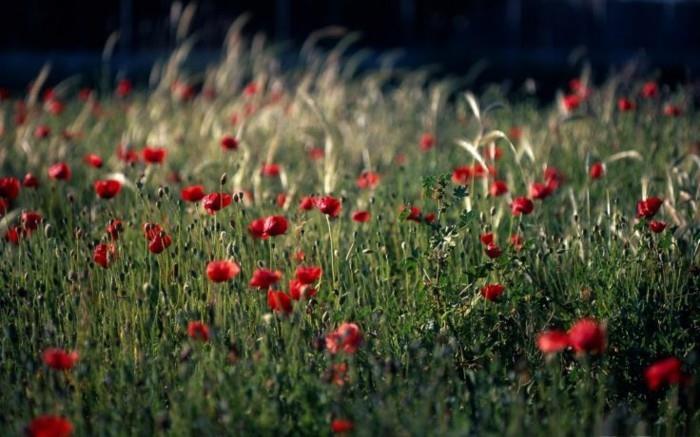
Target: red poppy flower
571, 102
492, 250
151, 230
31, 220
50, 426
597, 170
158, 240
308, 274
361, 216
498, 188
127, 154
339, 426
657, 226
624, 104
486, 238
159, 243
279, 301
553, 178
59, 359
299, 256
414, 214
124, 88
193, 193
264, 278
462, 175
198, 330
368, 179
648, 207
14, 234
216, 201
551, 342
42, 131
427, 141
9, 187
298, 290
60, 171
270, 170
106, 189
347, 338
154, 155
665, 371
430, 217
492, 291
104, 254
114, 228
587, 336
30, 181
267, 227
307, 203
672, 110
316, 153
650, 90
521, 205
229, 142
539, 190
329, 205
222, 271
516, 241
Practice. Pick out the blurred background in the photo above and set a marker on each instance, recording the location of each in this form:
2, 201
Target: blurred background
508, 39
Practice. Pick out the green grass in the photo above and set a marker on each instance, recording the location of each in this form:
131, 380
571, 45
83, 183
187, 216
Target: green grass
437, 358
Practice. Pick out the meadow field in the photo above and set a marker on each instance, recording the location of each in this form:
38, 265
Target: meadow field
257, 249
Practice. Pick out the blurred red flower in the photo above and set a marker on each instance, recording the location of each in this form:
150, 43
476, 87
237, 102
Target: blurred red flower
298, 290
59, 359
492, 291
361, 216
31, 220
193, 193
124, 88
279, 301
50, 426
9, 187
329, 205
229, 142
596, 171
30, 181
222, 271
650, 90
104, 254
154, 155
521, 205
114, 228
267, 227
427, 141
270, 170
106, 189
657, 226
308, 274
665, 371
648, 207
60, 171
624, 104
216, 201
198, 330
347, 338
498, 188
368, 180
339, 426
587, 336
551, 342
264, 278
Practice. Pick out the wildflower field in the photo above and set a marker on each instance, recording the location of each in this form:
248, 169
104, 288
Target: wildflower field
261, 250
